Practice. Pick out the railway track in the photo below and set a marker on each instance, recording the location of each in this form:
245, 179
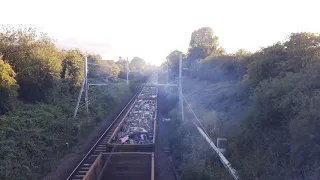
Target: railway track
101, 145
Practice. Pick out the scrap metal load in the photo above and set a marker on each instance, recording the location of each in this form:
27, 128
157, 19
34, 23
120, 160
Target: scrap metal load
148, 93
138, 126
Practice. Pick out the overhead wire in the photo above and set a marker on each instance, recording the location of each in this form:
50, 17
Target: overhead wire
98, 64
194, 114
90, 101
70, 114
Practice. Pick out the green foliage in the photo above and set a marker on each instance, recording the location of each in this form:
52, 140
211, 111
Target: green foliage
110, 67
34, 132
8, 87
203, 43
218, 68
192, 156
241, 53
173, 60
72, 67
137, 64
102, 69
93, 60
122, 63
269, 111
174, 57
299, 53
34, 137
136, 79
282, 121
34, 58
284, 117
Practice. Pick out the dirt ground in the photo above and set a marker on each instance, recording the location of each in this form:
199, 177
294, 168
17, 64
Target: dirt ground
163, 165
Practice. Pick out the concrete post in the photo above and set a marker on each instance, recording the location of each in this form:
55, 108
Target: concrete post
180, 87
127, 71
86, 82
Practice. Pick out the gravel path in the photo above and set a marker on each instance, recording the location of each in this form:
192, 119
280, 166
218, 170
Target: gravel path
163, 166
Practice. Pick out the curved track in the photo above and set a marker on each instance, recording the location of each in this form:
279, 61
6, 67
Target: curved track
101, 145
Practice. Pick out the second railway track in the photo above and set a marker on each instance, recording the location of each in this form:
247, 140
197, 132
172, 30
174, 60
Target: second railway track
101, 145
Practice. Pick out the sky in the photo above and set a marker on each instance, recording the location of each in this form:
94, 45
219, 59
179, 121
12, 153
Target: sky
152, 29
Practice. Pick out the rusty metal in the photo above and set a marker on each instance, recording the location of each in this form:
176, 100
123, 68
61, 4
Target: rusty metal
125, 166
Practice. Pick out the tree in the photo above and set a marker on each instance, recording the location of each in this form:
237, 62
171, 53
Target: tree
122, 63
300, 53
173, 59
241, 53
34, 58
8, 87
267, 63
72, 67
109, 68
93, 65
303, 50
137, 64
99, 68
203, 43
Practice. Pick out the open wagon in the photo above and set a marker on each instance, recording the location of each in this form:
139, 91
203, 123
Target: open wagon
137, 130
122, 165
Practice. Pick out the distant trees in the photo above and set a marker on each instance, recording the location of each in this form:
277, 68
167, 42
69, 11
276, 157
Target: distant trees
110, 68
40, 66
137, 64
173, 60
102, 69
93, 62
241, 53
122, 63
207, 60
174, 56
299, 53
72, 67
203, 43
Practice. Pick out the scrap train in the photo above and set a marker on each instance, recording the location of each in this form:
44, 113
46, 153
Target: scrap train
126, 151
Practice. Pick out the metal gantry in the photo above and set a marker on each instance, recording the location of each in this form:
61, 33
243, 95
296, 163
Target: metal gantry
174, 85
85, 85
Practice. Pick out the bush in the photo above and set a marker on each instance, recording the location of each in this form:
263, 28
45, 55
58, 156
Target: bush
218, 68
34, 136
8, 87
267, 105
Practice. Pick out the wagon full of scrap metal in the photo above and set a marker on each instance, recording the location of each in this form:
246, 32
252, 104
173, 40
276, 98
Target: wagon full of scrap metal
137, 130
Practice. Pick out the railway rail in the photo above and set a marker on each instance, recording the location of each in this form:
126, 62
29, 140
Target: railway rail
93, 162
101, 145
